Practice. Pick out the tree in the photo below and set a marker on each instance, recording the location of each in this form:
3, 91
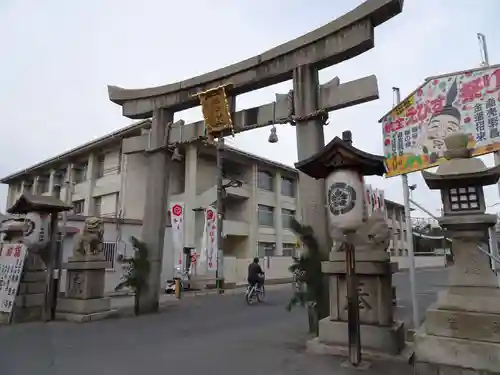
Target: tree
310, 289
137, 271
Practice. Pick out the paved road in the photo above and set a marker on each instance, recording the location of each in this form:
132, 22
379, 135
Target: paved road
429, 282
206, 335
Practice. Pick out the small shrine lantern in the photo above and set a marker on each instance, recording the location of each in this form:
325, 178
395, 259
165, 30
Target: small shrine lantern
343, 167
467, 312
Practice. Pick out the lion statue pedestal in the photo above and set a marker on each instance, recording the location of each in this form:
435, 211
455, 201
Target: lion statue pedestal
380, 334
86, 269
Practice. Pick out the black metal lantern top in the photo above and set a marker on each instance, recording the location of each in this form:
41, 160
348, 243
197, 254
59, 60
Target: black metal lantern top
341, 154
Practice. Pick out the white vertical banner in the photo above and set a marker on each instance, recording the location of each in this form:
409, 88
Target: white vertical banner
177, 221
381, 197
211, 238
369, 200
12, 258
374, 200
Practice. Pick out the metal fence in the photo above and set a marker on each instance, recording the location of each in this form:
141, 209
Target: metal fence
110, 251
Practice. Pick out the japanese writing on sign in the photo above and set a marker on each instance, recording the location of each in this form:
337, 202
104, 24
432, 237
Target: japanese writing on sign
11, 266
467, 102
215, 108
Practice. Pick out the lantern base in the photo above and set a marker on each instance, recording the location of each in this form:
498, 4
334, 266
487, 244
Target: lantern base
389, 340
449, 355
377, 343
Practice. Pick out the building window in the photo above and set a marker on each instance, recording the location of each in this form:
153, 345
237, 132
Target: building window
266, 181
97, 206
120, 160
78, 207
56, 191
267, 249
287, 187
100, 166
266, 216
464, 199
117, 205
286, 218
80, 173
289, 250
43, 186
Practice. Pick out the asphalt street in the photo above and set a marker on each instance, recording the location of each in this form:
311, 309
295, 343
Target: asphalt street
206, 335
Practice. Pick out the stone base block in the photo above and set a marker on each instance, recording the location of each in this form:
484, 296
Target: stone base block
30, 300
485, 300
315, 346
423, 368
83, 306
463, 324
85, 318
389, 340
23, 315
456, 353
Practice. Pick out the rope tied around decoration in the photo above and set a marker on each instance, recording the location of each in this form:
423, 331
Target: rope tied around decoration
292, 119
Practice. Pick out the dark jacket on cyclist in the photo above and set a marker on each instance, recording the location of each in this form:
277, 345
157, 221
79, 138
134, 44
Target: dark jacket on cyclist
254, 272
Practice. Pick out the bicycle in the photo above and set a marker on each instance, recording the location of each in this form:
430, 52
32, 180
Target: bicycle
255, 293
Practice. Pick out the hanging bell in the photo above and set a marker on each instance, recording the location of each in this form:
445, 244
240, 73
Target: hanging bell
176, 155
273, 137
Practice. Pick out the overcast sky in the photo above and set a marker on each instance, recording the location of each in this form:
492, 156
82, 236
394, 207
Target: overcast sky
59, 55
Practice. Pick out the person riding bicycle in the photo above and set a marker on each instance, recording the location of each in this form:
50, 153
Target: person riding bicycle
255, 273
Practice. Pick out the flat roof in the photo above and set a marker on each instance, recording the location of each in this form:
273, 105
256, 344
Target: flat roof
82, 149
130, 130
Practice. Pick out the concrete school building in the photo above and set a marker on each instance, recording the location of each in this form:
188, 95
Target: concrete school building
111, 185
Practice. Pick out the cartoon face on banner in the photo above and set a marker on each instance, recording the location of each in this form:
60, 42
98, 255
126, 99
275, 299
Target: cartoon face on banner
415, 130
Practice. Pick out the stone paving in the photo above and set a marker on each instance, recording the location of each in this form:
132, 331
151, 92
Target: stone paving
198, 335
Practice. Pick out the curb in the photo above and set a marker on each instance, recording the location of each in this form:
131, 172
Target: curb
405, 270
128, 311
125, 311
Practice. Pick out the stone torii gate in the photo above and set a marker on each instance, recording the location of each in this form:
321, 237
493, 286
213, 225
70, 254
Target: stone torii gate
300, 59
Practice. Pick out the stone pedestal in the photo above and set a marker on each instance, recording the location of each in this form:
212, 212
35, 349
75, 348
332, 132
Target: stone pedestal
381, 336
84, 300
462, 329
30, 298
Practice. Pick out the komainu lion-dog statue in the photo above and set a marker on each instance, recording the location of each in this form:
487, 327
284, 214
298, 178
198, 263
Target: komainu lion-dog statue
374, 234
90, 241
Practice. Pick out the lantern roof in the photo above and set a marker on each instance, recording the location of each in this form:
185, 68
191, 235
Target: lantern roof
485, 177
341, 154
461, 169
38, 203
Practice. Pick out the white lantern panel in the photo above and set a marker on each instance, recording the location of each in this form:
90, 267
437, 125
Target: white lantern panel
36, 233
345, 198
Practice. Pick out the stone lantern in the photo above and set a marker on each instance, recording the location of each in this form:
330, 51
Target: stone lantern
462, 329
366, 275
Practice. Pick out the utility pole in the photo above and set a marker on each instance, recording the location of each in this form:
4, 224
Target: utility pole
409, 237
220, 216
485, 61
